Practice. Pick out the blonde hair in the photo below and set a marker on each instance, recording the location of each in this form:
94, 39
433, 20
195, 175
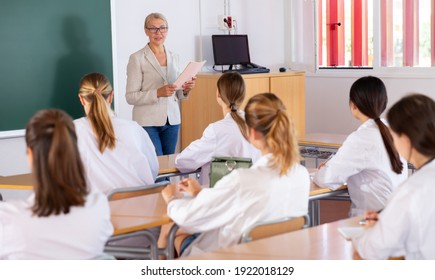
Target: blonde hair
155, 16
266, 114
231, 87
95, 88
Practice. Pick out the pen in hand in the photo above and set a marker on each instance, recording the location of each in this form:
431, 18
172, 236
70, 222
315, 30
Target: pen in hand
370, 217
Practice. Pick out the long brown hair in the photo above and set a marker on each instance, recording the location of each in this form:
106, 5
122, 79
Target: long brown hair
57, 168
95, 88
414, 116
266, 113
369, 95
231, 87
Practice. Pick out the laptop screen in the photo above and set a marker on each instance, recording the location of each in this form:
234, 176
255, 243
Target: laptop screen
230, 49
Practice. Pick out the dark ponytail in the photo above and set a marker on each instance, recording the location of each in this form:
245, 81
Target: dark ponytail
369, 95
231, 87
57, 168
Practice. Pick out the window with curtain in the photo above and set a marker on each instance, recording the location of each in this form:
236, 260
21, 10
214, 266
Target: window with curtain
404, 33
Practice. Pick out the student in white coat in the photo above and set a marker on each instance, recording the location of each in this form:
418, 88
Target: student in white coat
227, 137
406, 225
367, 161
116, 153
274, 187
63, 219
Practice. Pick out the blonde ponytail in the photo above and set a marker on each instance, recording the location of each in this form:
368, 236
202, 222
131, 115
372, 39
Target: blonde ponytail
96, 89
266, 114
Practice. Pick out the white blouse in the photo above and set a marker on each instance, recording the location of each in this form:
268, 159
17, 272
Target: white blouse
239, 200
80, 234
406, 226
133, 162
222, 138
363, 163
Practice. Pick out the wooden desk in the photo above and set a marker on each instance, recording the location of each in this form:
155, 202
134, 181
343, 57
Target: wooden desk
322, 242
322, 140
18, 182
167, 167
138, 213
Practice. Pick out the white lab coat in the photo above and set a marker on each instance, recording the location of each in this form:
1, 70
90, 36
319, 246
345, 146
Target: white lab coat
239, 200
363, 163
133, 161
80, 234
406, 226
222, 138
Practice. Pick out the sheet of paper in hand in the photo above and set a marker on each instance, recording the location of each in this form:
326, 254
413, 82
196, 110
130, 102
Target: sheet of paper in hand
189, 72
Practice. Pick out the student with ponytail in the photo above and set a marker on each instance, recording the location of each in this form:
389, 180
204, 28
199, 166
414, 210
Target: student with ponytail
63, 219
116, 153
406, 225
226, 137
274, 187
367, 161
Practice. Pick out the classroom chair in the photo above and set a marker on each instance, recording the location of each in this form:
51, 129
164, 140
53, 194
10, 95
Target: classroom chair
267, 229
133, 252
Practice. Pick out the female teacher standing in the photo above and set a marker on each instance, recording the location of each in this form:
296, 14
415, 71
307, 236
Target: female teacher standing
151, 73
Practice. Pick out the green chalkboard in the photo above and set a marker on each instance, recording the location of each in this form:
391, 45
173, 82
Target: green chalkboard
46, 46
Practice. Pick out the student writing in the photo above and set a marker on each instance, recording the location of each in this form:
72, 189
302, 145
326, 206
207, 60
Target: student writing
406, 227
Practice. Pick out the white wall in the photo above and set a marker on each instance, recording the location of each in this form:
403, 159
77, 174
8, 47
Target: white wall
327, 98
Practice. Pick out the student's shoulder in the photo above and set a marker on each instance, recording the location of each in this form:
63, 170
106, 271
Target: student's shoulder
13, 208
81, 124
120, 122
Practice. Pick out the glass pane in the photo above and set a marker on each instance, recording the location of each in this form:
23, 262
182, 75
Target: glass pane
347, 25
424, 33
398, 32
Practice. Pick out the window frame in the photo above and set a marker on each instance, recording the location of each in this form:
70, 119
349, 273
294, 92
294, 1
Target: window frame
376, 68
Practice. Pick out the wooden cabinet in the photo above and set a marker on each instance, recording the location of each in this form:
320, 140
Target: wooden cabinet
201, 108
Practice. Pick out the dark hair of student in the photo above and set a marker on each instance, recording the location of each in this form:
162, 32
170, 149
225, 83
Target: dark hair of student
266, 114
57, 168
369, 95
414, 116
95, 88
231, 87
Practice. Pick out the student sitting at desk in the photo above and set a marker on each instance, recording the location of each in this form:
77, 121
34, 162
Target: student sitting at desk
116, 153
406, 225
227, 137
63, 219
367, 161
276, 186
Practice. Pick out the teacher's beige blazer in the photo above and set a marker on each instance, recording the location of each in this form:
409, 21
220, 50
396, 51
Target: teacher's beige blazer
144, 77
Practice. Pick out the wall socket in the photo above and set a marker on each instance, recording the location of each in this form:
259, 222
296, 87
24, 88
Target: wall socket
226, 22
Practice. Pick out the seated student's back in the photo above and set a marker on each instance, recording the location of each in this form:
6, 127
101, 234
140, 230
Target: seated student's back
406, 227
63, 219
367, 161
116, 153
276, 186
226, 137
